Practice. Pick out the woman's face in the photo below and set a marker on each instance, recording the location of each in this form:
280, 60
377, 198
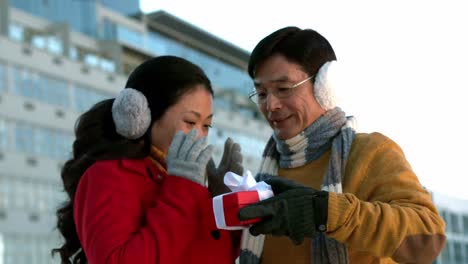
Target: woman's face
193, 110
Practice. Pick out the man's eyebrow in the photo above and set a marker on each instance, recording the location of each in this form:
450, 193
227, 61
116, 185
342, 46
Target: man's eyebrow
280, 79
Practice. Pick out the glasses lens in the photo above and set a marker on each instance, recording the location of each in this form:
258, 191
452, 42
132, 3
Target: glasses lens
283, 92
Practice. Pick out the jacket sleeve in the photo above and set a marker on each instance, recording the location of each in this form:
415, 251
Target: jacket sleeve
114, 227
391, 215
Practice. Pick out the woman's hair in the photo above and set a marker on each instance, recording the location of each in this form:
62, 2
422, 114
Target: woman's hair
163, 80
305, 47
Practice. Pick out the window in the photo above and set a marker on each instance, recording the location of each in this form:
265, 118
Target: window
96, 61
39, 41
466, 253
109, 30
130, 36
91, 60
465, 228
23, 248
2, 78
50, 43
16, 32
2, 248
5, 193
4, 135
446, 253
73, 53
54, 45
455, 223
85, 97
107, 65
43, 142
24, 138
40, 87
57, 92
457, 252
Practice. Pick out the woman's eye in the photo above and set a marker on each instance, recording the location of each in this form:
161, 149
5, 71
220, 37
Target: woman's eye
208, 126
190, 123
261, 94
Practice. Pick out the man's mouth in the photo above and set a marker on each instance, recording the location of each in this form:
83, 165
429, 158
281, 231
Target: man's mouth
278, 121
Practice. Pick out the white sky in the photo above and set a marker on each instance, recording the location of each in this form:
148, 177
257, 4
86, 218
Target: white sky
404, 67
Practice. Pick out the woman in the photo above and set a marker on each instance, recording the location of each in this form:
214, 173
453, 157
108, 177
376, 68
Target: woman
134, 196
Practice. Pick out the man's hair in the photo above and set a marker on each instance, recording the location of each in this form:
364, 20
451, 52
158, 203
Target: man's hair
305, 47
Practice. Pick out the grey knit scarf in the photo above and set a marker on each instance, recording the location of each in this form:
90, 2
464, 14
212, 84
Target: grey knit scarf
332, 130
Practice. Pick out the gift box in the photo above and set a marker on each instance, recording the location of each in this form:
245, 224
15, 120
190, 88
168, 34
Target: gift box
232, 203
245, 191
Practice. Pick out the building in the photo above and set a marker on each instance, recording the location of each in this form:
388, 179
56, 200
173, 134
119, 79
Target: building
57, 58
455, 214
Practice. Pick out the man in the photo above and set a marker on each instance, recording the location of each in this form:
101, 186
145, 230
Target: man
340, 196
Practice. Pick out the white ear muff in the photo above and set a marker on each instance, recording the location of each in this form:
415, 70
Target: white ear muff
131, 114
323, 86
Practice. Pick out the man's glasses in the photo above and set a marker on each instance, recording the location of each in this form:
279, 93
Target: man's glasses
260, 96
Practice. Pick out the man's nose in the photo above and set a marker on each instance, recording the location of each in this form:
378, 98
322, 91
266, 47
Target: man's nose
272, 102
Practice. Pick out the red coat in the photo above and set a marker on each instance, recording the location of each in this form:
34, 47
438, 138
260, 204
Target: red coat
128, 211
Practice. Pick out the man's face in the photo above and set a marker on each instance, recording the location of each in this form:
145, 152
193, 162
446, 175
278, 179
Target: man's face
286, 116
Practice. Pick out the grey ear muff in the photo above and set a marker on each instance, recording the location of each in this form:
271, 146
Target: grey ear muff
131, 114
323, 86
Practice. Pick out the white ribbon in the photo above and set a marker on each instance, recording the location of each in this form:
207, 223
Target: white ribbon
237, 183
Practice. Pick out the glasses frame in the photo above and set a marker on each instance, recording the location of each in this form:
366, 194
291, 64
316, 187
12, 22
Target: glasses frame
254, 94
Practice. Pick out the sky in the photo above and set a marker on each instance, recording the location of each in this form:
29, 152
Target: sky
403, 67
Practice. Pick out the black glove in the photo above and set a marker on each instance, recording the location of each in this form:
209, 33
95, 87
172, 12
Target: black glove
295, 211
230, 161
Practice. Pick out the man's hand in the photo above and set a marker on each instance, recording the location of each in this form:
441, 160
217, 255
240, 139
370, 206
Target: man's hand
291, 212
230, 161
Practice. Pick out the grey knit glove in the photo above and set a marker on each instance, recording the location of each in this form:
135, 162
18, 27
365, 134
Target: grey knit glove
230, 161
187, 156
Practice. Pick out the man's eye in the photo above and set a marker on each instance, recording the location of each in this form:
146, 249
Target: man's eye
190, 123
282, 90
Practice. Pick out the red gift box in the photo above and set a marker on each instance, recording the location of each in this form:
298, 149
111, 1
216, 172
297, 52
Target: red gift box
231, 204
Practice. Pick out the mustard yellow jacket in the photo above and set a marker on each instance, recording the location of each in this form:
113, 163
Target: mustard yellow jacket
384, 214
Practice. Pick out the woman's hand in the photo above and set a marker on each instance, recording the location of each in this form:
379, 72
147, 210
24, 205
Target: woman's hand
188, 156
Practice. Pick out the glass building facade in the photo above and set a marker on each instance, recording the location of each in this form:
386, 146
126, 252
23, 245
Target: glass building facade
455, 214
79, 14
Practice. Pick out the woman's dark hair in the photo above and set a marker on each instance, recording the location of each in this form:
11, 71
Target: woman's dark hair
305, 47
163, 80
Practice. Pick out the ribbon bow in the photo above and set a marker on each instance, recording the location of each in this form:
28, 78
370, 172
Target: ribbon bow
247, 182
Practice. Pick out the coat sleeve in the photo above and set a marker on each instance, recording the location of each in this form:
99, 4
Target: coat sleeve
114, 226
392, 215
